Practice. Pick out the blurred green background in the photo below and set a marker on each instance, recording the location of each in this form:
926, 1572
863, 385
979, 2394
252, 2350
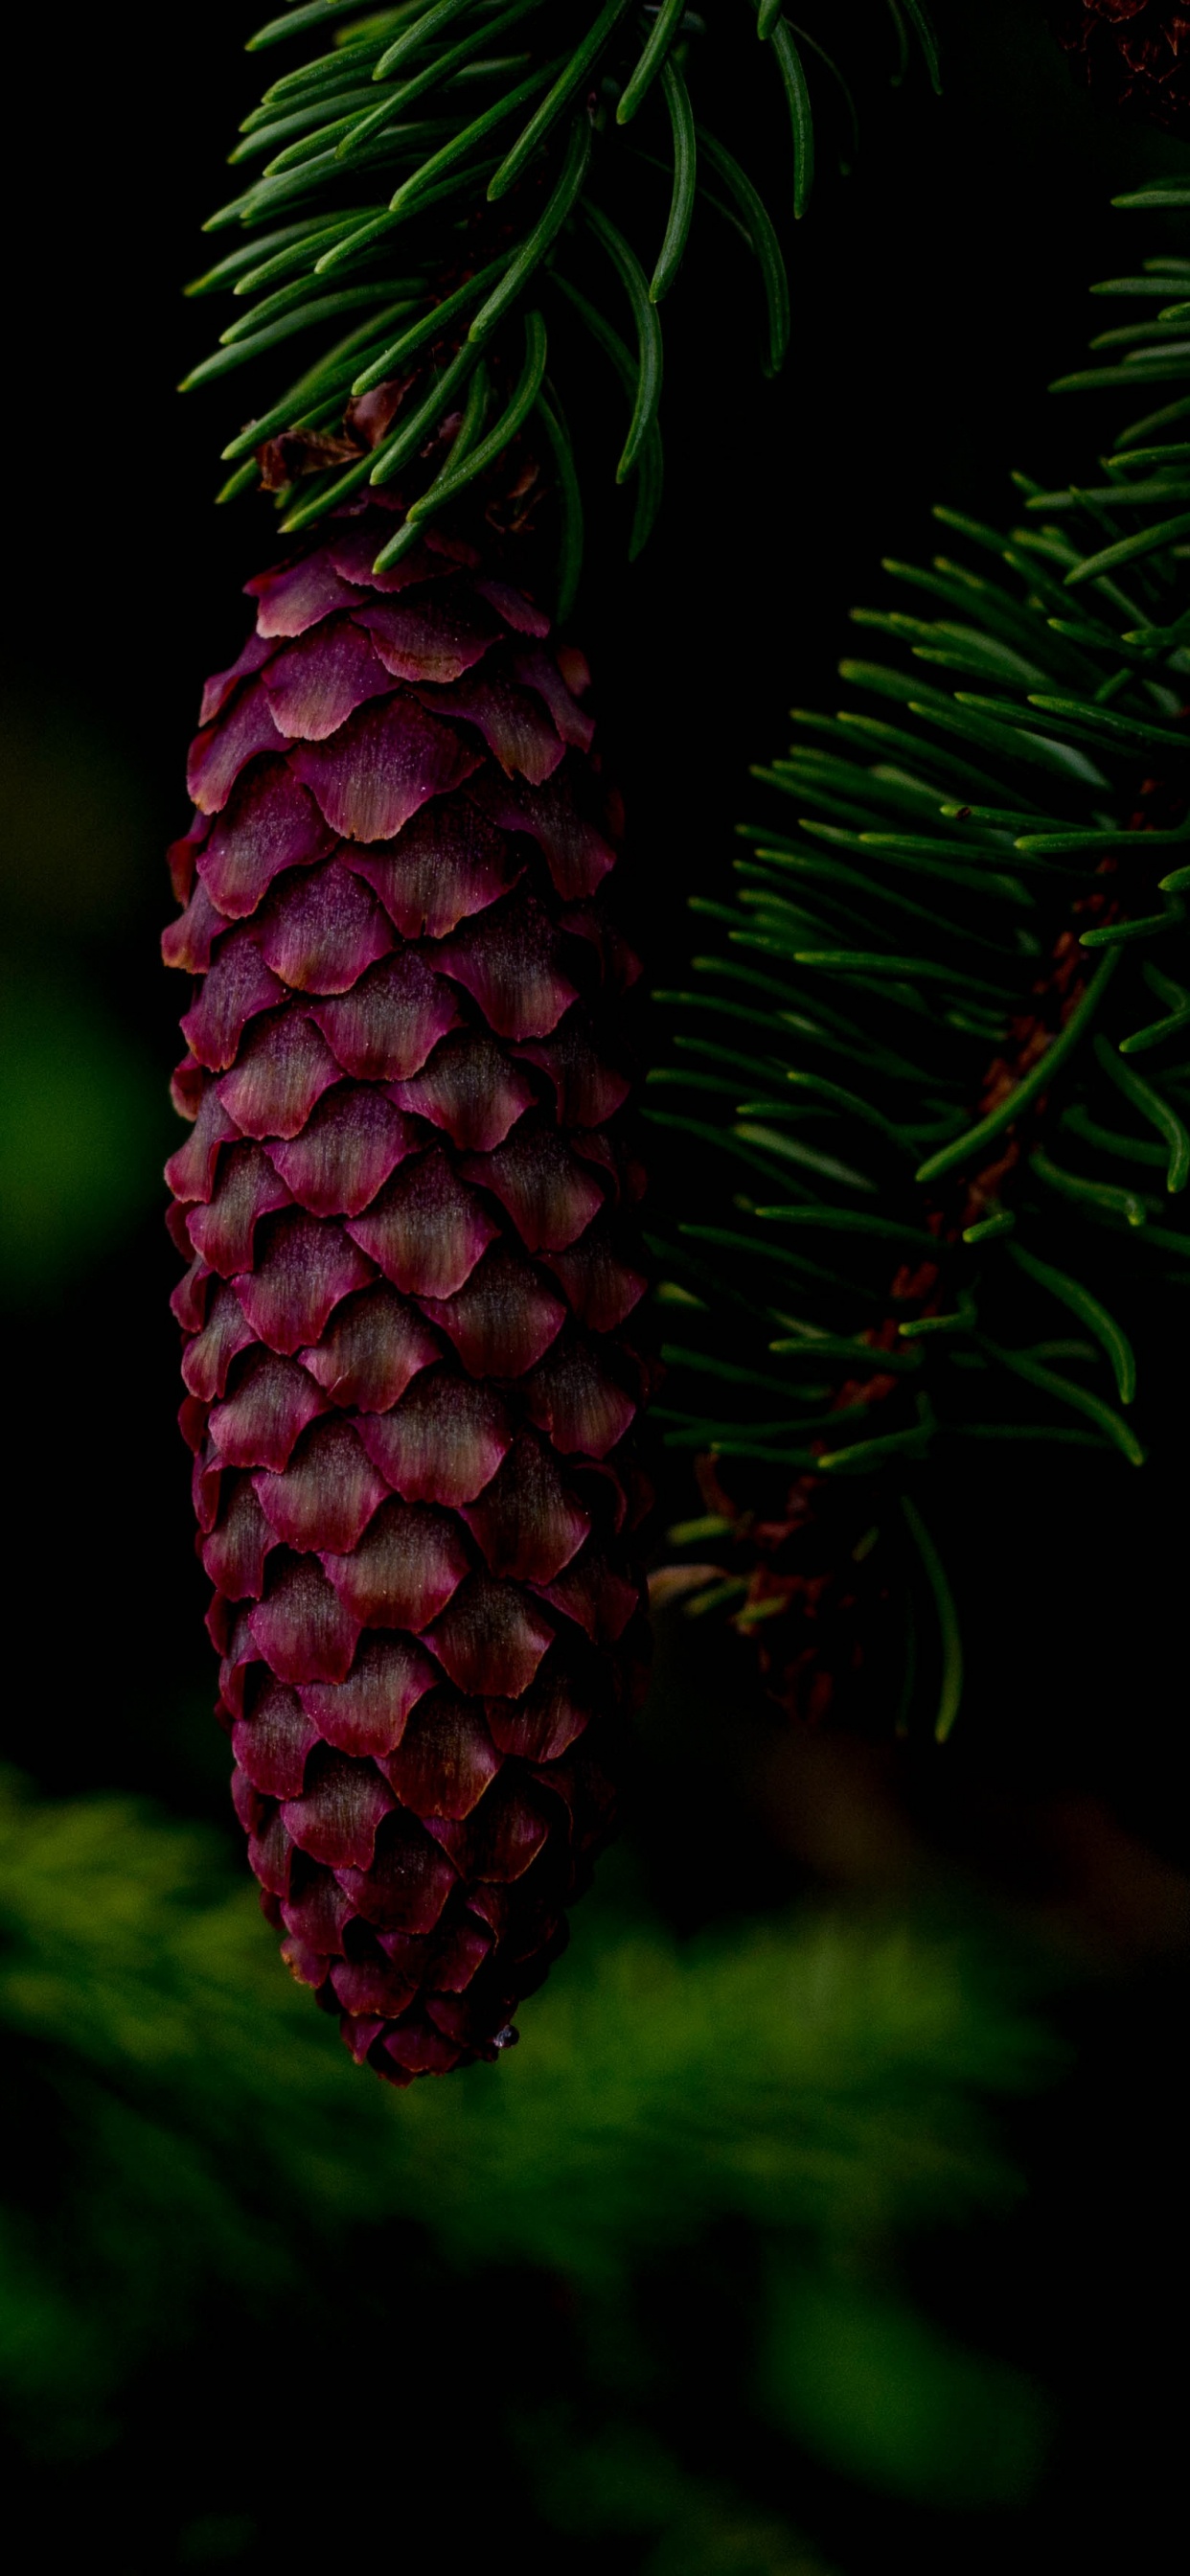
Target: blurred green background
829, 2212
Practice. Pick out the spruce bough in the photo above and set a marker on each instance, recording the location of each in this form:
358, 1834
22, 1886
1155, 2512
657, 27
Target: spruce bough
940, 1039
407, 1204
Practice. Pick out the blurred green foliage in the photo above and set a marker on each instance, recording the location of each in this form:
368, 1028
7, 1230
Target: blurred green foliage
877, 2390
75, 825
80, 1132
84, 1121
817, 2086
623, 2482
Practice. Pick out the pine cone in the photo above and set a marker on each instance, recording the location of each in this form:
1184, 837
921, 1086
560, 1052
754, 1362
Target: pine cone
1133, 53
407, 1209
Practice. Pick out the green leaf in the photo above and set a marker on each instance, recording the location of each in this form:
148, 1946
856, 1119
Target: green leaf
536, 243
717, 1596
1030, 557
664, 34
950, 1690
830, 65
404, 442
520, 404
708, 1525
270, 195
958, 715
853, 1221
1156, 1032
431, 327
794, 1151
733, 1373
1159, 194
819, 1088
1168, 418
873, 961
901, 32
1152, 1106
323, 309
439, 69
394, 451
250, 255
989, 1228
1124, 733
1079, 1398
926, 38
332, 375
915, 856
447, 158
430, 23
1078, 1121
301, 293
960, 588
685, 158
1092, 380
762, 236
801, 115
577, 72
1101, 1198
314, 128
650, 467
245, 479
1071, 1293
451, 473
976, 531
309, 248
925, 1327
648, 335
1179, 1014
1125, 934
570, 499
1012, 738
1112, 495
328, 71
867, 1456
990, 817
296, 21
857, 1356
1097, 836
949, 764
354, 243
1039, 1077
934, 858
955, 647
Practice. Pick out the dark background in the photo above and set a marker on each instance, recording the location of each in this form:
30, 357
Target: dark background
935, 293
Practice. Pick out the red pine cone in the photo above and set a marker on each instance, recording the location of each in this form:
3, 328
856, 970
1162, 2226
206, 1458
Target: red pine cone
1132, 53
407, 1210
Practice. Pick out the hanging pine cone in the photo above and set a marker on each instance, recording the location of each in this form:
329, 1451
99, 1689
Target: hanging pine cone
1133, 54
407, 1210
